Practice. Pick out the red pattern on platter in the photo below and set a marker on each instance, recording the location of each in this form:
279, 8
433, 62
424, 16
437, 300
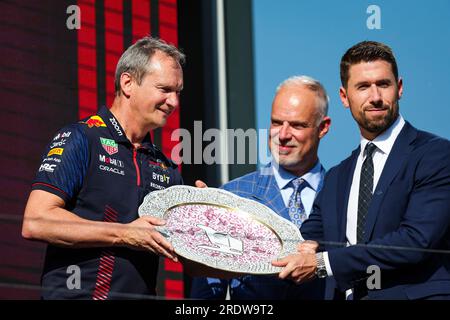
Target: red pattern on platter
222, 233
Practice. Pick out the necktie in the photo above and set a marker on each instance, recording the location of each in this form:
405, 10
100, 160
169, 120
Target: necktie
296, 208
365, 191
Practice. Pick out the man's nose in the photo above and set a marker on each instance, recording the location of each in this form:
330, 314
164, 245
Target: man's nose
285, 131
173, 100
375, 95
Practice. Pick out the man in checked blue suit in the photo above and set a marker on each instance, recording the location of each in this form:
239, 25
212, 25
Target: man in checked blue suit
288, 185
388, 204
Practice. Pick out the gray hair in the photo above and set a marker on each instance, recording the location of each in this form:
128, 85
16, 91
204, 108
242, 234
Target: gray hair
135, 59
313, 85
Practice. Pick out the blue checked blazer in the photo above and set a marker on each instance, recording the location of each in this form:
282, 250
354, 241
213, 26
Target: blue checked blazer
260, 186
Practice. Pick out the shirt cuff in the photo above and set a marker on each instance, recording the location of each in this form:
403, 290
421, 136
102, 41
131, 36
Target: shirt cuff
327, 264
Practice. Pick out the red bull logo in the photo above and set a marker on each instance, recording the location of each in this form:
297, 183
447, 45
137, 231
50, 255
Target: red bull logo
95, 121
159, 163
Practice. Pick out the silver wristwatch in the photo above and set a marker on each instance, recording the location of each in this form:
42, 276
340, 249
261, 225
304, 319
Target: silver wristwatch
321, 271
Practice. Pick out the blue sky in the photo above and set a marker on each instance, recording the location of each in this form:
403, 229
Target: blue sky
309, 37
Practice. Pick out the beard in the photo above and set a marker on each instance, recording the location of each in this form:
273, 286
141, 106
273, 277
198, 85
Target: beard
381, 124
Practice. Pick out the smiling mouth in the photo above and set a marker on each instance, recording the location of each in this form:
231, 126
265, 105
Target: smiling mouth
283, 149
167, 112
376, 111
284, 146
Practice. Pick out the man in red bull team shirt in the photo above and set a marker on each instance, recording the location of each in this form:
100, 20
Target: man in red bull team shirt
93, 177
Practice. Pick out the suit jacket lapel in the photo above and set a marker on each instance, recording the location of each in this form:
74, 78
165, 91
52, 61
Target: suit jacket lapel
397, 157
266, 190
345, 178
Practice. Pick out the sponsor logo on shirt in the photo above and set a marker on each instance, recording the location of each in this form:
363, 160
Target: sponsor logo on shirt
109, 160
58, 143
52, 159
157, 186
47, 167
158, 163
62, 135
56, 151
109, 145
161, 177
116, 126
110, 169
95, 121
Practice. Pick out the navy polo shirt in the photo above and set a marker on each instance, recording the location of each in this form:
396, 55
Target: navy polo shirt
101, 176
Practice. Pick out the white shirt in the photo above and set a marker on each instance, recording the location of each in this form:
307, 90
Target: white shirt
384, 143
313, 177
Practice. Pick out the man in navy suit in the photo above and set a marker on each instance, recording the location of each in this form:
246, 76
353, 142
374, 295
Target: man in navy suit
382, 218
298, 122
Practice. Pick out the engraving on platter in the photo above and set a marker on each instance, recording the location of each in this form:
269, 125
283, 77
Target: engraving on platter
223, 242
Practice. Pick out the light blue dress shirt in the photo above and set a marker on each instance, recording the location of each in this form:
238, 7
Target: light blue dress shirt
308, 194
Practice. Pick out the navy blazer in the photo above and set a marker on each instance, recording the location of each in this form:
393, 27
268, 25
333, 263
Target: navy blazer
407, 227
264, 189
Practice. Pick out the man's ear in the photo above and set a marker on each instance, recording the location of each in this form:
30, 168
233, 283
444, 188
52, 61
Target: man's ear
324, 127
400, 88
126, 82
344, 97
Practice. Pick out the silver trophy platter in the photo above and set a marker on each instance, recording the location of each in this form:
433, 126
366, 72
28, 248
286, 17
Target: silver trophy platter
217, 233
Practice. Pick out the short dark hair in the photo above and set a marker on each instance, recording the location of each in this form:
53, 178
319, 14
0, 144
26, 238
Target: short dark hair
366, 51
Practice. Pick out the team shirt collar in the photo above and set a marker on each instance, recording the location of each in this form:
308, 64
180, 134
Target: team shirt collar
117, 131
